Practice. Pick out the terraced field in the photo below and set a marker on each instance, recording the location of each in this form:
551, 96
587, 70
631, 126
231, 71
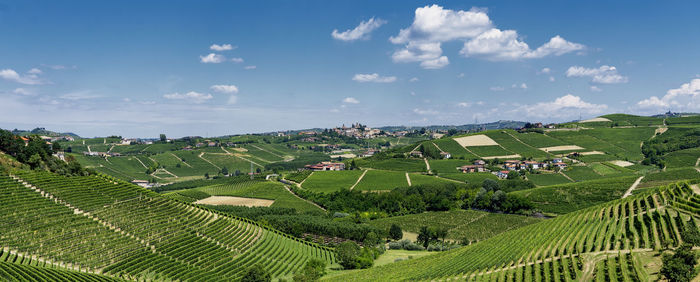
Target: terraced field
468, 225
451, 146
382, 180
505, 138
120, 230
331, 181
410, 165
545, 179
490, 151
562, 248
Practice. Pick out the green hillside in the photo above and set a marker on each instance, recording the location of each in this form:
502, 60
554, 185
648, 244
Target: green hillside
560, 247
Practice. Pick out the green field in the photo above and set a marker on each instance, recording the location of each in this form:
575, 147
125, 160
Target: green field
468, 225
539, 140
687, 157
451, 146
581, 173
410, 165
570, 197
419, 179
262, 190
447, 166
544, 179
505, 139
490, 151
382, 180
475, 178
331, 181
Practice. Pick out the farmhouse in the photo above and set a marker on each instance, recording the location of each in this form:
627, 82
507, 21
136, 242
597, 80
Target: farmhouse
445, 155
501, 174
142, 183
471, 168
326, 166
417, 154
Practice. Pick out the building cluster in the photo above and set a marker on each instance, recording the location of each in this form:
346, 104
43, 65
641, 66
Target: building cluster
513, 165
326, 166
357, 130
102, 154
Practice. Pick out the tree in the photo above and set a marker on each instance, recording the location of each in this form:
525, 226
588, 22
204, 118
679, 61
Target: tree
681, 265
371, 239
424, 236
348, 252
395, 232
256, 273
224, 171
206, 175
491, 185
513, 175
163, 138
312, 271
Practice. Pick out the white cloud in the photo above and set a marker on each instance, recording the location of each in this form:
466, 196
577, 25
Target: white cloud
351, 100
425, 112
80, 95
362, 31
604, 74
684, 98
212, 58
237, 60
461, 75
12, 75
23, 91
127, 100
191, 96
433, 25
565, 106
551, 79
374, 77
34, 71
223, 47
224, 88
596, 89
250, 67
232, 100
496, 88
505, 45
544, 70
463, 104
414, 79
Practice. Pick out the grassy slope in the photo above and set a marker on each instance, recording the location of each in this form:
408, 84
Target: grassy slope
382, 180
331, 181
462, 224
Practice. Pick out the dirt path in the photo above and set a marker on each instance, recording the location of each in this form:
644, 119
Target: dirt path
697, 163
436, 146
264, 150
295, 195
201, 157
188, 165
237, 156
567, 177
144, 148
408, 179
696, 188
528, 145
427, 164
358, 180
470, 151
144, 166
88, 146
634, 185
302, 182
165, 171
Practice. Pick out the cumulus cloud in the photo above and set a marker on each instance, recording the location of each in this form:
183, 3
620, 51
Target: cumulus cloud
604, 74
191, 96
212, 58
521, 86
362, 31
544, 70
232, 89
596, 89
414, 79
23, 91
374, 77
237, 60
463, 104
35, 71
684, 98
12, 75
223, 47
433, 25
496, 88
565, 106
80, 95
351, 100
250, 67
425, 112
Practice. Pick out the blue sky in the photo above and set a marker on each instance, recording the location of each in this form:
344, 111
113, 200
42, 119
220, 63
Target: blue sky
140, 68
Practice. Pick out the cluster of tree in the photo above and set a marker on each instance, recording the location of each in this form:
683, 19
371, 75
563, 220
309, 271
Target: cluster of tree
421, 198
352, 256
38, 154
290, 221
428, 235
674, 140
430, 151
680, 266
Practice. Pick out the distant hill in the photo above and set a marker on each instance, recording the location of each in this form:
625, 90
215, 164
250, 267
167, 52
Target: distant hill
501, 124
42, 131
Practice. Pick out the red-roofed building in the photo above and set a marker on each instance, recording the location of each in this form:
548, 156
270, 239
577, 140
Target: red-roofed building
326, 166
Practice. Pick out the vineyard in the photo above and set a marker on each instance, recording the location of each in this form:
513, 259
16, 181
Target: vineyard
99, 226
601, 243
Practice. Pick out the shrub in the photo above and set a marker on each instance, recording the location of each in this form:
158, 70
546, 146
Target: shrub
256, 273
395, 232
405, 245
